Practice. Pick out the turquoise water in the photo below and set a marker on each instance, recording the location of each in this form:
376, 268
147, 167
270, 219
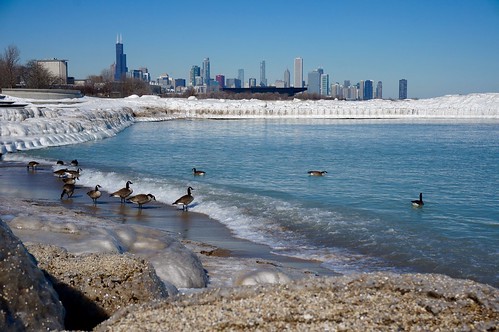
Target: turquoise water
356, 218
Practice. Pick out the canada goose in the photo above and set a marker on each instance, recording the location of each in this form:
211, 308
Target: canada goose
185, 200
94, 194
69, 180
142, 199
61, 172
418, 202
68, 189
317, 173
198, 172
59, 162
33, 165
123, 192
74, 174
74, 162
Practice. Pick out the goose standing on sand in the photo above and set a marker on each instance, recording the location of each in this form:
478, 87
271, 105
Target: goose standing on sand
142, 199
69, 180
317, 173
33, 165
123, 193
198, 172
185, 200
94, 194
418, 202
68, 189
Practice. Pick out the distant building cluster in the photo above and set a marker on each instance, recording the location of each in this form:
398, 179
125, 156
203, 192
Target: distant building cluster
200, 79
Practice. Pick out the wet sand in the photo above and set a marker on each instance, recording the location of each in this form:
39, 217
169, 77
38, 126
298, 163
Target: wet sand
197, 231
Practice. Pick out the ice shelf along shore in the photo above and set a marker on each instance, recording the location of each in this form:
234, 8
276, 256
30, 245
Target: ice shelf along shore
49, 123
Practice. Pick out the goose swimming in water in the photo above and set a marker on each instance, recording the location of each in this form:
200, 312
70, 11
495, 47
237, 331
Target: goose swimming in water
68, 189
142, 199
317, 173
94, 194
198, 172
418, 202
185, 200
74, 162
33, 165
123, 193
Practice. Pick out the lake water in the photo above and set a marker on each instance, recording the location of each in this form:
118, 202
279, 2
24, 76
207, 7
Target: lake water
358, 217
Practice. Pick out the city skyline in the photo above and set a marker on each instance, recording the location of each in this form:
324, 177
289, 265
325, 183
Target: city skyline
444, 47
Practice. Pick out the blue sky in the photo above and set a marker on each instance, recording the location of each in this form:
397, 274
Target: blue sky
440, 46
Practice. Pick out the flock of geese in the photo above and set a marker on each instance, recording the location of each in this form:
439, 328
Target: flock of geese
69, 177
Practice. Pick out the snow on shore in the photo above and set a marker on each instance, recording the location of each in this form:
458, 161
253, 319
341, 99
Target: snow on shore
52, 123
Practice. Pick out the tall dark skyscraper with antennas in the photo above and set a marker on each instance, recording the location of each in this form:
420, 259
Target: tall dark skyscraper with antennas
120, 68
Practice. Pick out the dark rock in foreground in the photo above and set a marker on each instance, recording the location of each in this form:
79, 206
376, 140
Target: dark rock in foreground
27, 300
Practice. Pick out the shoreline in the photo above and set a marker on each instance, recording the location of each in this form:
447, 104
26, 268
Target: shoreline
223, 255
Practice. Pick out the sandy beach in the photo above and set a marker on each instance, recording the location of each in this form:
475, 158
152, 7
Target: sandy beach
222, 254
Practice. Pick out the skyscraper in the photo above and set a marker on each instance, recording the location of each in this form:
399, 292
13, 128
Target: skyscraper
325, 85
379, 90
314, 81
368, 90
221, 81
403, 89
263, 79
298, 79
195, 72
120, 69
287, 79
206, 72
240, 76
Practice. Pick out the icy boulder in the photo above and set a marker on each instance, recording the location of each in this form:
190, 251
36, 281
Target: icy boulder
27, 300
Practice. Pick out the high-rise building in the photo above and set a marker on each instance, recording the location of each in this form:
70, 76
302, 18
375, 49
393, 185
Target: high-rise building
314, 82
120, 69
221, 81
368, 90
298, 79
346, 83
195, 72
403, 89
206, 72
252, 82
263, 79
379, 90
325, 85
360, 87
240, 76
287, 79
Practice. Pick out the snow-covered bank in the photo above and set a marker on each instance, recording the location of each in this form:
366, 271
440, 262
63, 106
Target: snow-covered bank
42, 124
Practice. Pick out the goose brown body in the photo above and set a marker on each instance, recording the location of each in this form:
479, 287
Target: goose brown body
33, 165
123, 193
142, 199
68, 190
317, 173
185, 200
94, 194
198, 172
418, 202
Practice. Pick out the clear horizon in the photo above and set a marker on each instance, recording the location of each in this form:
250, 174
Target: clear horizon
444, 47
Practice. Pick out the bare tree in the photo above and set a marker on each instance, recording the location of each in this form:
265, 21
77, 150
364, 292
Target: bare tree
9, 67
36, 76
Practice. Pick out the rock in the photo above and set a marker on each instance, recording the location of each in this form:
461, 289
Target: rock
93, 286
27, 299
364, 302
